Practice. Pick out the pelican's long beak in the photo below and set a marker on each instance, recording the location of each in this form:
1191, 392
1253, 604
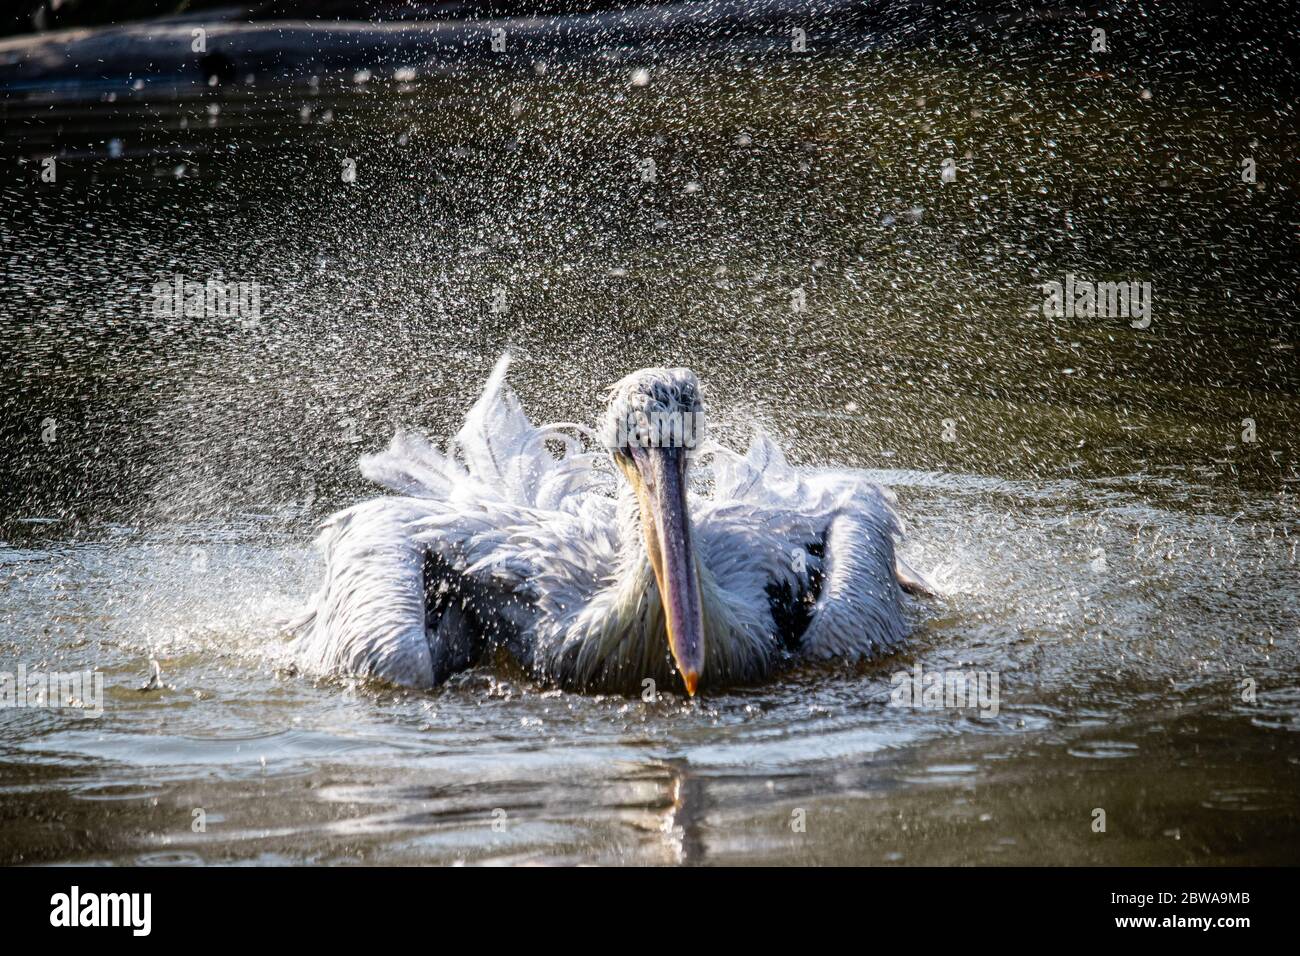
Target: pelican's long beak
667, 526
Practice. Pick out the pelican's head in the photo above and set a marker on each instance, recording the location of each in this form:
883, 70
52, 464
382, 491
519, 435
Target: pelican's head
654, 423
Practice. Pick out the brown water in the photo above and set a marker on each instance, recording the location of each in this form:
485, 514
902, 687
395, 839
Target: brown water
1110, 543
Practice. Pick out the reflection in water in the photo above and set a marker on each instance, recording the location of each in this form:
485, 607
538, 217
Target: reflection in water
1113, 541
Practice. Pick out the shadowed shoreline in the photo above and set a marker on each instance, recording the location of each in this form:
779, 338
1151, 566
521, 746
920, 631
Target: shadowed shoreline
1209, 41
236, 51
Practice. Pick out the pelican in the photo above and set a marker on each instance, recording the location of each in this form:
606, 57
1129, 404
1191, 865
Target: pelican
521, 540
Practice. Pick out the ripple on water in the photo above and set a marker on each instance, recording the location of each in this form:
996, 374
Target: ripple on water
114, 792
945, 774
171, 858
1274, 708
1243, 799
1103, 749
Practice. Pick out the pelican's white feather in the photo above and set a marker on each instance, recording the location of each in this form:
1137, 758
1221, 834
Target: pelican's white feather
514, 537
